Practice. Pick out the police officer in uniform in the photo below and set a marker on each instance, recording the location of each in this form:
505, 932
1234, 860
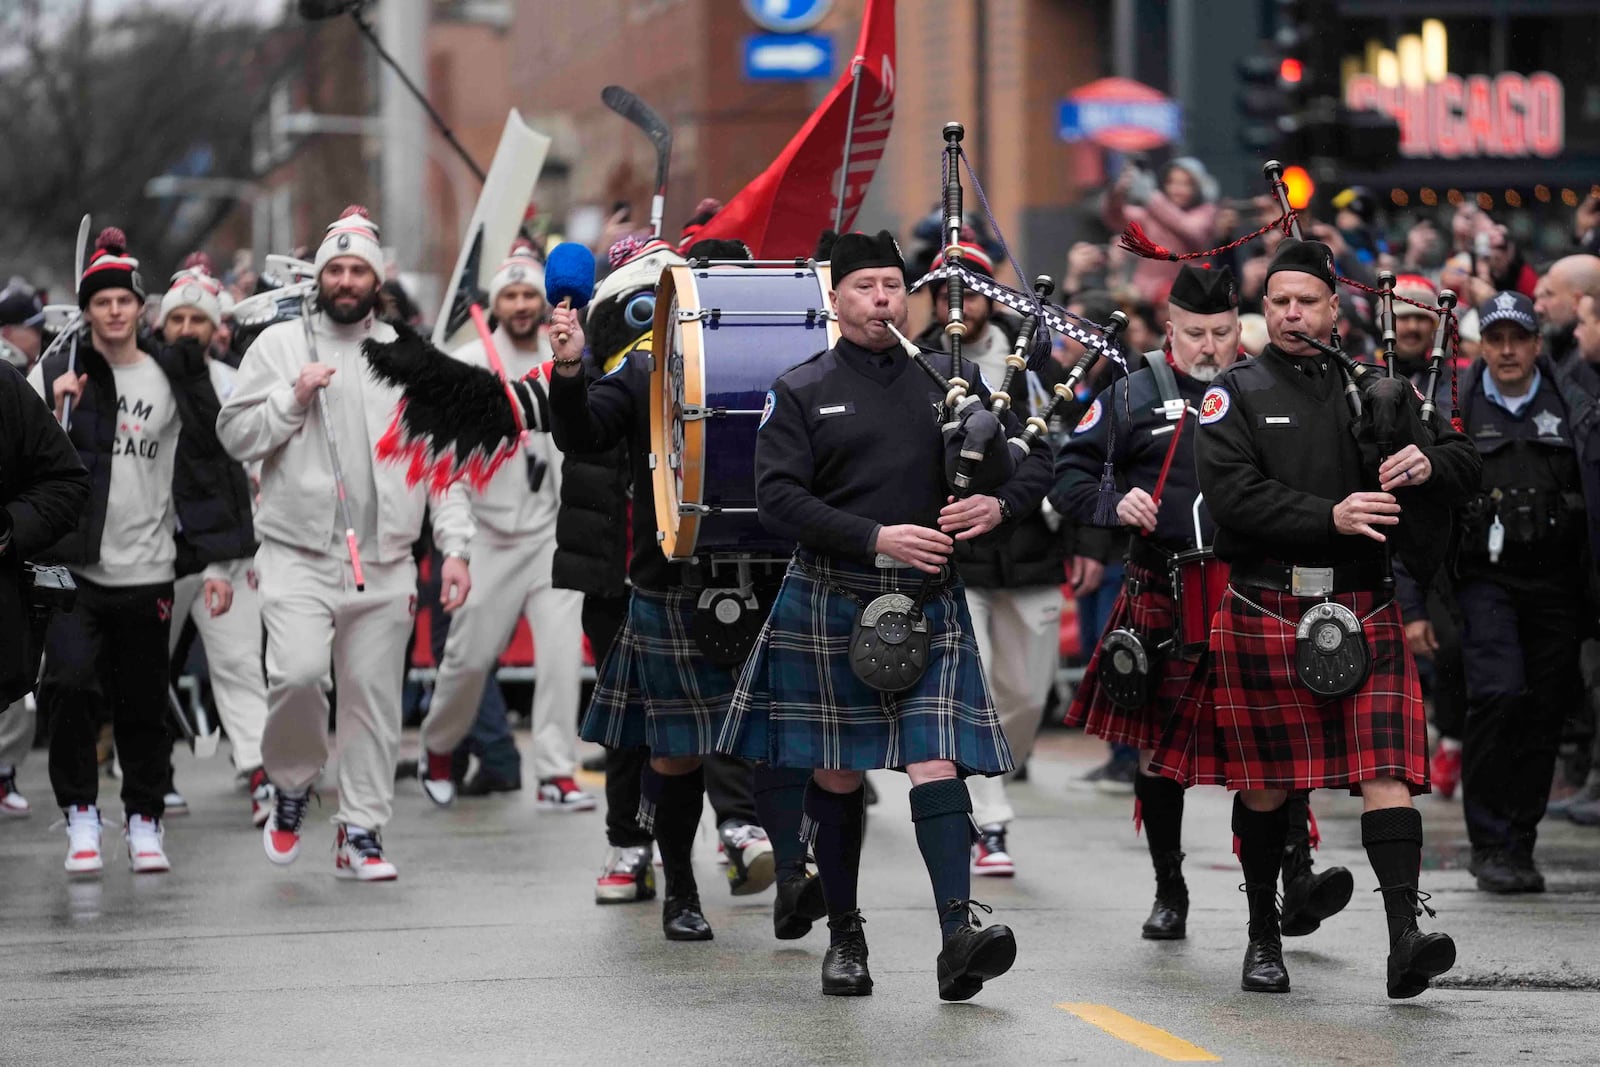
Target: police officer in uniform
1134, 422
1314, 686
1522, 564
851, 464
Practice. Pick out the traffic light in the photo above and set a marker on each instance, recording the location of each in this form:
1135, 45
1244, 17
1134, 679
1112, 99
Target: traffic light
1263, 103
1299, 187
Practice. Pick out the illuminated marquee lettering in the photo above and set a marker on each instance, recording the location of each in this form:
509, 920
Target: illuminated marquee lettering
1509, 116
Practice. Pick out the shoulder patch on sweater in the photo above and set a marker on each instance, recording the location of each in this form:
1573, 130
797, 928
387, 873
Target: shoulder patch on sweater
766, 408
1214, 405
1091, 418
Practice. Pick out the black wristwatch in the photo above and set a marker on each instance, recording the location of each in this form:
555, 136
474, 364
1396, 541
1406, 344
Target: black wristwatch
1005, 509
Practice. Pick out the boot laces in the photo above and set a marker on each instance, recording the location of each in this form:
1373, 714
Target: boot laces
289, 809
1419, 899
972, 907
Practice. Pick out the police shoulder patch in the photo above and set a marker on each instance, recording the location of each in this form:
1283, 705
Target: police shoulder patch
1214, 405
1091, 418
766, 408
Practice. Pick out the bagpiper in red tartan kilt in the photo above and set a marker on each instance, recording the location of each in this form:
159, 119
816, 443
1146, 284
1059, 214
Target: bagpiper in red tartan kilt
1146, 607
1263, 729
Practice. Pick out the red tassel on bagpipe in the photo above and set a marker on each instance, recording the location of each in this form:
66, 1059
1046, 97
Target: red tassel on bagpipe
1135, 240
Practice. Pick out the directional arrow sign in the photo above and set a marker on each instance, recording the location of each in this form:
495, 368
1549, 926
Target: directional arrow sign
788, 57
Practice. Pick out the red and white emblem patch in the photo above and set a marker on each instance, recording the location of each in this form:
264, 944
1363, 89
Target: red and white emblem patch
1091, 418
1215, 405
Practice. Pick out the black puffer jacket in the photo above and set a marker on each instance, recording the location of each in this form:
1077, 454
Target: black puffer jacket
592, 525
43, 487
210, 491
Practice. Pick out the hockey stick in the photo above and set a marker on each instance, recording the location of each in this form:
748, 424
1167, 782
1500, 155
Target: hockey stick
333, 454
72, 353
655, 127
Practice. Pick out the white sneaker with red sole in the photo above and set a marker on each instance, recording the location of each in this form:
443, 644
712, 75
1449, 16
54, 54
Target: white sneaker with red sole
989, 856
83, 841
562, 794
358, 854
261, 794
280, 835
146, 851
13, 805
433, 771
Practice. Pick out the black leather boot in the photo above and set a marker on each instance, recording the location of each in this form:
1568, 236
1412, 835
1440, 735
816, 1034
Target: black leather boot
844, 965
1169, 917
1308, 897
1264, 971
798, 904
1415, 958
972, 954
681, 917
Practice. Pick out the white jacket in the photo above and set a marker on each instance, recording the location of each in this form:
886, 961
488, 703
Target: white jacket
263, 421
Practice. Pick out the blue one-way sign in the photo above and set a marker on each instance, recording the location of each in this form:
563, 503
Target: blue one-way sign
788, 56
787, 16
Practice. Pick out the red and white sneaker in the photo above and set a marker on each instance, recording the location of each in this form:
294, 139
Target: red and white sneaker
358, 854
261, 794
1444, 769
433, 771
280, 835
146, 852
83, 840
989, 856
562, 794
627, 876
13, 805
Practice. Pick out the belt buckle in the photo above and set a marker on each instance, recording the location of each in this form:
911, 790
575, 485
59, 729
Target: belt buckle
1311, 581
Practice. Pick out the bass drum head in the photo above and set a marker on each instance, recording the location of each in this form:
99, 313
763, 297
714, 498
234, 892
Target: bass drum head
677, 378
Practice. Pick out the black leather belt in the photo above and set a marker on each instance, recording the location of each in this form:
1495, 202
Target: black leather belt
1311, 581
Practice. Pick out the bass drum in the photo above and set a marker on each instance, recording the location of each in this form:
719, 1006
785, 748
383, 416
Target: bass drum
723, 334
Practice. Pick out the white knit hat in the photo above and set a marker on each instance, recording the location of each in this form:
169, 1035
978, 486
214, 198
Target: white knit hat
194, 287
635, 265
353, 233
522, 267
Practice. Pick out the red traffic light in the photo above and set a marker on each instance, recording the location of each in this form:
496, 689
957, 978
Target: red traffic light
1290, 71
1298, 185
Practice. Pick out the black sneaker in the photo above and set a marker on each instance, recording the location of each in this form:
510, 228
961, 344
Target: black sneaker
844, 965
973, 955
1496, 873
1115, 775
798, 904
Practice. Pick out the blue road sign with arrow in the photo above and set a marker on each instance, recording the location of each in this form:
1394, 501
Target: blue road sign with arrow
786, 16
788, 56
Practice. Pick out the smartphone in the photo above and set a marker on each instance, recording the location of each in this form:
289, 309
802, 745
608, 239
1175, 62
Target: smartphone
625, 208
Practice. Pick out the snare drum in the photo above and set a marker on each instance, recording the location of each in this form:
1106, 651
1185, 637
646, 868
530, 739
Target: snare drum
723, 334
1199, 579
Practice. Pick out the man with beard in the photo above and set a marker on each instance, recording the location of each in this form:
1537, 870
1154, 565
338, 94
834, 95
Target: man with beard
309, 599
511, 557
143, 425
1133, 424
1555, 301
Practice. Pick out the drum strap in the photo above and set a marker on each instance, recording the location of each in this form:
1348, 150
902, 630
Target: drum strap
1166, 380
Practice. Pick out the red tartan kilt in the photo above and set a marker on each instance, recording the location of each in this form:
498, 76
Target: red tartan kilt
1264, 730
1150, 614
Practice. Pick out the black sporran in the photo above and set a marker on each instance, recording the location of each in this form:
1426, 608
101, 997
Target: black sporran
1330, 651
1126, 669
726, 624
889, 643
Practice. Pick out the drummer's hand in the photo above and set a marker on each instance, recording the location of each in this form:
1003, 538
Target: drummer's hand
1085, 574
1406, 469
1420, 637
973, 516
566, 322
68, 385
1137, 509
1361, 513
919, 546
455, 582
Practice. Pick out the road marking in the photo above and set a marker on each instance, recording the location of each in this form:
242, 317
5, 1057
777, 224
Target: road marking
1152, 1039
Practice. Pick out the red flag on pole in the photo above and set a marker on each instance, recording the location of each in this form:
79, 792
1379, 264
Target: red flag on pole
781, 213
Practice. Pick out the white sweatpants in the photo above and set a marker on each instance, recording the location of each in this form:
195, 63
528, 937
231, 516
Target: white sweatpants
233, 654
1018, 632
511, 579
314, 619
17, 725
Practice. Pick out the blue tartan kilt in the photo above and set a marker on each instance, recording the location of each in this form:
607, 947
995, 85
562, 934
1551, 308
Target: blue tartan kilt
655, 688
798, 704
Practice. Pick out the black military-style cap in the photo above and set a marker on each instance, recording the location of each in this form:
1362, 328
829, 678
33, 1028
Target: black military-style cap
1307, 257
1204, 290
859, 251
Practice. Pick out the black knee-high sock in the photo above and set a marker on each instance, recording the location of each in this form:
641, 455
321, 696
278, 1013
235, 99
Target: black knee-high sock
1260, 835
942, 812
1161, 807
835, 822
678, 799
780, 803
1393, 840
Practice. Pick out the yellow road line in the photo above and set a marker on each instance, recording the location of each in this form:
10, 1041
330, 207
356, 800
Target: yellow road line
1152, 1039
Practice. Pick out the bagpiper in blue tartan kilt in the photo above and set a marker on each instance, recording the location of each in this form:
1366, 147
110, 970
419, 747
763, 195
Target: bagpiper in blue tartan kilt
827, 717
655, 688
